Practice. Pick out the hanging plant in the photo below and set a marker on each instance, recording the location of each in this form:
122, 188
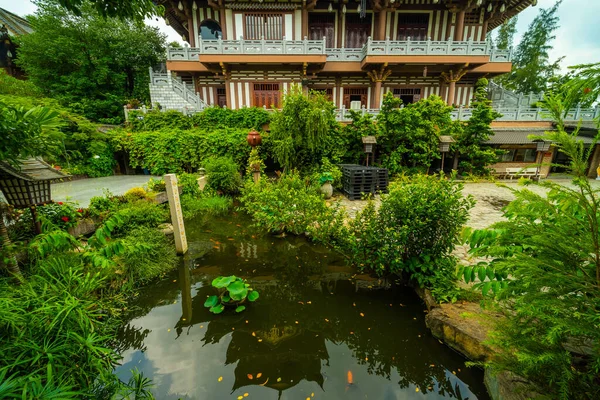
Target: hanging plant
233, 292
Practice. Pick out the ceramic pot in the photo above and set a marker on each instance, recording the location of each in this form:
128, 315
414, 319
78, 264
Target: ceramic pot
327, 190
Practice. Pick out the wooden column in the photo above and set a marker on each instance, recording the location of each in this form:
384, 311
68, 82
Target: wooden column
375, 101
451, 90
341, 27
381, 22
378, 77
484, 30
191, 33
460, 26
304, 23
223, 23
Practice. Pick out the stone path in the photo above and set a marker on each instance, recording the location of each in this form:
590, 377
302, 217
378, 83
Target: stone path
82, 190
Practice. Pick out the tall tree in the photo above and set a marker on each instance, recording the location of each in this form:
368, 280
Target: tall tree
131, 9
531, 65
506, 34
89, 62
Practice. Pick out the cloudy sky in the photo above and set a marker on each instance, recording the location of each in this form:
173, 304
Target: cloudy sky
577, 38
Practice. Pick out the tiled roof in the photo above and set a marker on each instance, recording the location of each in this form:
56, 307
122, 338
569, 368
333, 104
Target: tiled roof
32, 169
16, 25
520, 136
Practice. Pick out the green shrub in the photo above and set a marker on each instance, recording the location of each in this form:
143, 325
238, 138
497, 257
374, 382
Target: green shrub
156, 185
157, 120
219, 117
189, 183
18, 87
142, 213
223, 175
177, 151
101, 206
413, 231
291, 204
143, 263
62, 215
214, 205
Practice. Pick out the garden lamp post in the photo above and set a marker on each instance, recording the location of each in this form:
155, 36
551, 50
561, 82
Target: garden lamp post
27, 185
541, 147
445, 142
369, 143
254, 139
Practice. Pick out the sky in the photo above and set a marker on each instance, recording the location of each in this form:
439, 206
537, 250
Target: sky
576, 39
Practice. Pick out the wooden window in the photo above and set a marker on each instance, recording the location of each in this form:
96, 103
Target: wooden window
355, 94
413, 26
518, 155
263, 26
221, 97
321, 25
267, 94
407, 95
472, 18
358, 30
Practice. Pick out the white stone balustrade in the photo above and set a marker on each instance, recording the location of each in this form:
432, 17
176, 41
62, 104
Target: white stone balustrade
316, 47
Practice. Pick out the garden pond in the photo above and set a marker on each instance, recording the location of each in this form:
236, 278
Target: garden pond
319, 330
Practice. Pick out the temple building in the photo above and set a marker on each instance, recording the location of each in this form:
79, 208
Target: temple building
11, 25
242, 53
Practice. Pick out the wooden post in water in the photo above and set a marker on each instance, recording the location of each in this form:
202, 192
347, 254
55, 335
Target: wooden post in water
176, 215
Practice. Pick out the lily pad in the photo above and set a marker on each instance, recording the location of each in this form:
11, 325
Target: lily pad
223, 281
240, 308
218, 309
211, 301
253, 295
237, 290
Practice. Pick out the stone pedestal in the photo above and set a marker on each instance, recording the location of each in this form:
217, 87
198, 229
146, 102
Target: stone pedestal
176, 214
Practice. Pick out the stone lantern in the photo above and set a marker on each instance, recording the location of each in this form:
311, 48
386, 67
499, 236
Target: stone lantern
369, 143
445, 142
27, 185
254, 140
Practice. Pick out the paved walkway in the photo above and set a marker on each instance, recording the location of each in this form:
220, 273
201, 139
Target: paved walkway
82, 190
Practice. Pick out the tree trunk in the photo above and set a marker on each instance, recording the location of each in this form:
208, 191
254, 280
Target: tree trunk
11, 262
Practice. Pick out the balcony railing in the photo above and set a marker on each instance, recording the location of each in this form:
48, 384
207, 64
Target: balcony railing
318, 47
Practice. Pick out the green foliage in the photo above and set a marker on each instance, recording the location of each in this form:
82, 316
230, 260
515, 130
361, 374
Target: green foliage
140, 264
176, 151
531, 66
409, 136
299, 131
142, 213
506, 34
189, 184
156, 185
218, 118
210, 205
544, 272
60, 215
327, 172
582, 85
27, 132
233, 291
351, 136
413, 231
13, 86
292, 204
223, 175
475, 156
91, 63
156, 120
137, 10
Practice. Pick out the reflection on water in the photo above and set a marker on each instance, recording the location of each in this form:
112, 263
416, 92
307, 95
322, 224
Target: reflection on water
317, 331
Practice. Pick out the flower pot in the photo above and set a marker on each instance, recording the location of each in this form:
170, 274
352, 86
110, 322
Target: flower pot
327, 190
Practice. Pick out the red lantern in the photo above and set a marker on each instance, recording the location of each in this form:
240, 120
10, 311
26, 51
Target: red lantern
254, 138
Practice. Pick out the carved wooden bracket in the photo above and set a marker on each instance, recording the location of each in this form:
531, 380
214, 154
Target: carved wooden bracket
380, 75
224, 71
452, 76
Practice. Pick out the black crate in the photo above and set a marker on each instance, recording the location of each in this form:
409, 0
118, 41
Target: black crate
358, 179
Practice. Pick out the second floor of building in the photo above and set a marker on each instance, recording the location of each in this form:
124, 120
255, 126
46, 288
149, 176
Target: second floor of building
365, 32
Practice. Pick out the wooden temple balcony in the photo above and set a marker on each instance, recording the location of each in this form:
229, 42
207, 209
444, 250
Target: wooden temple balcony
315, 51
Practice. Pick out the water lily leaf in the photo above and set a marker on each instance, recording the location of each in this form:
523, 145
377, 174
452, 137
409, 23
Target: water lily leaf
240, 308
218, 309
226, 298
253, 295
237, 290
223, 281
211, 301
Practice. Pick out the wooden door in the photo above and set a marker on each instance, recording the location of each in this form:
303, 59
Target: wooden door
413, 26
358, 30
321, 25
221, 97
266, 94
355, 94
268, 26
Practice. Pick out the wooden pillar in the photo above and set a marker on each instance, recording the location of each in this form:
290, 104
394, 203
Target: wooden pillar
381, 21
484, 30
37, 225
304, 23
460, 26
451, 90
338, 90
341, 27
376, 100
223, 23
191, 33
228, 92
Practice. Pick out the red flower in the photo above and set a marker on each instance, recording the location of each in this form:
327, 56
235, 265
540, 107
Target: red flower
65, 218
60, 203
587, 90
80, 210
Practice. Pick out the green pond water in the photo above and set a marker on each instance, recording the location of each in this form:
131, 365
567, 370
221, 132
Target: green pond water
319, 330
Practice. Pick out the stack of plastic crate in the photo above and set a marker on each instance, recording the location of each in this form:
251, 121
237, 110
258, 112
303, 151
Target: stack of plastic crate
358, 180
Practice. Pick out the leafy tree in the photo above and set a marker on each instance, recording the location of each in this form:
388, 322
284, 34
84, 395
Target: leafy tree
131, 9
549, 246
299, 132
531, 66
410, 136
476, 157
88, 62
583, 85
506, 34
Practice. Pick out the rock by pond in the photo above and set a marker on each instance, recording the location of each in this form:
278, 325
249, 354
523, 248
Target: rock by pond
319, 330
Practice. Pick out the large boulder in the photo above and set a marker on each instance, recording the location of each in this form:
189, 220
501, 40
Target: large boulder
505, 385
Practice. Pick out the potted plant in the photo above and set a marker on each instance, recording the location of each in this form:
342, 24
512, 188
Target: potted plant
326, 181
233, 292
